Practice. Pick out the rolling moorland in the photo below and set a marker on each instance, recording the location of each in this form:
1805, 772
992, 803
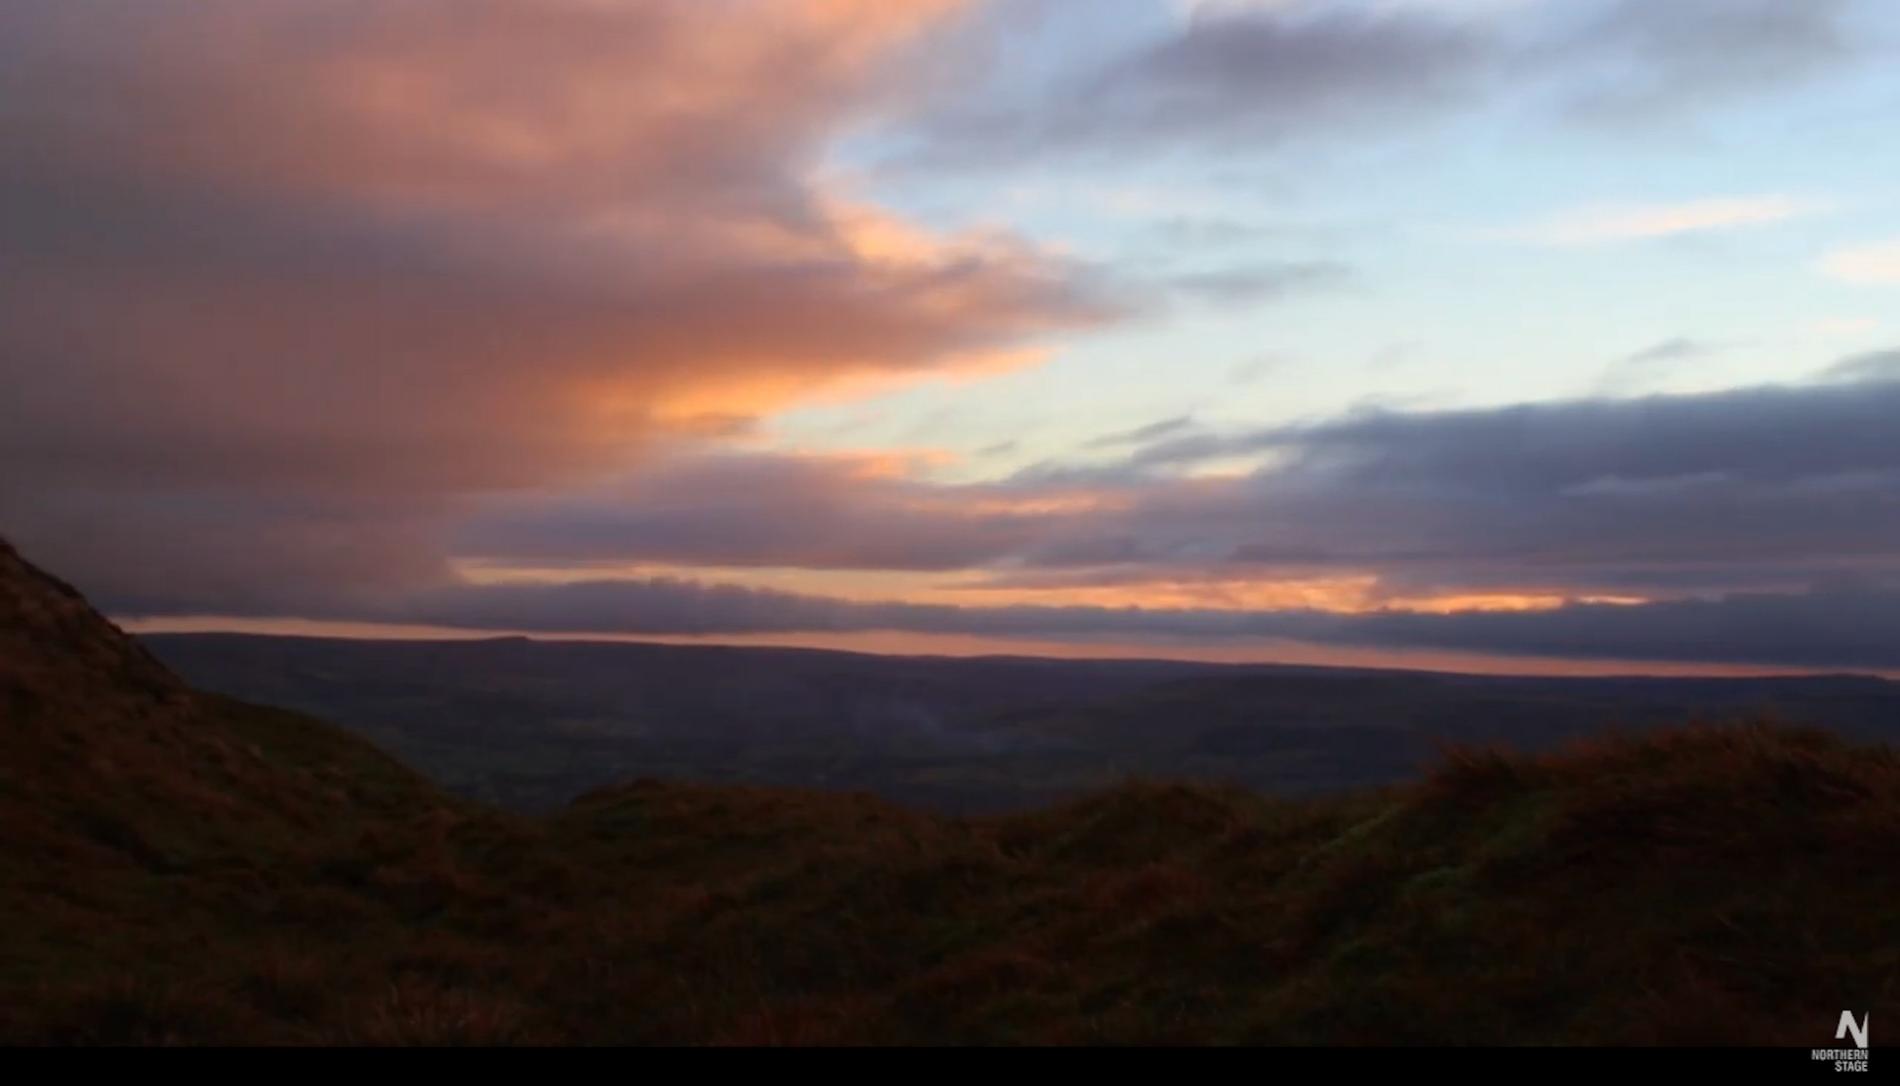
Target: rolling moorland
532, 725
181, 867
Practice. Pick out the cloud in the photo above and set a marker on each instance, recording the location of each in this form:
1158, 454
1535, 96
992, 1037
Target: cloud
1671, 350
305, 307
1262, 282
1877, 264
290, 264
1142, 435
1764, 490
1753, 489
1254, 75
1641, 62
1251, 370
1772, 492
1872, 366
1609, 223
1640, 368
810, 512
1756, 523
1828, 628
1220, 231
1288, 71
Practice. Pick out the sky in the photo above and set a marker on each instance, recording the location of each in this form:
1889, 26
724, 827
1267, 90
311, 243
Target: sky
1502, 335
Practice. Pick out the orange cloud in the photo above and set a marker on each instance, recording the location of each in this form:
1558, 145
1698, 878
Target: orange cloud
1347, 594
1350, 593
342, 255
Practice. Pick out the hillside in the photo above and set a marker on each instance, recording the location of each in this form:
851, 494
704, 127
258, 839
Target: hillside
182, 868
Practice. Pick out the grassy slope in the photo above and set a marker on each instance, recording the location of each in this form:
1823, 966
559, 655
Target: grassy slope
186, 869
1703, 885
1728, 885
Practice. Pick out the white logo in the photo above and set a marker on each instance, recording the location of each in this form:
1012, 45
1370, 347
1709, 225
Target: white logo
1858, 1029
1848, 1059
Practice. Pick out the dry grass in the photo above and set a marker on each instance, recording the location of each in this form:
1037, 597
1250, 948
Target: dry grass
1701, 885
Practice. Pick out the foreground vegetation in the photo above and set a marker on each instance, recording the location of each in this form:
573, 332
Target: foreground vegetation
1700, 886
177, 868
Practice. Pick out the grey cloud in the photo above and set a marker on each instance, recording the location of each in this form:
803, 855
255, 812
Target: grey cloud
1257, 77
1825, 629
1643, 60
1265, 75
1260, 77
1214, 231
1254, 369
1670, 350
1261, 283
1589, 497
1141, 435
1873, 366
1822, 629
1635, 370
738, 510
1765, 433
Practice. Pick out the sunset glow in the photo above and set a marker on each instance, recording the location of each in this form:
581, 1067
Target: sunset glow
1310, 330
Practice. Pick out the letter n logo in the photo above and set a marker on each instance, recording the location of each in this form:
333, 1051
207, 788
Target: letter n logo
1858, 1029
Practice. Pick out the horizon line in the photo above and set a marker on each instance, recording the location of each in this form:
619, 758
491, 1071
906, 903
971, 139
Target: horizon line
1263, 653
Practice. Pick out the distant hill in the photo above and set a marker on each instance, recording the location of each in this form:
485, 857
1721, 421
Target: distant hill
181, 868
533, 724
